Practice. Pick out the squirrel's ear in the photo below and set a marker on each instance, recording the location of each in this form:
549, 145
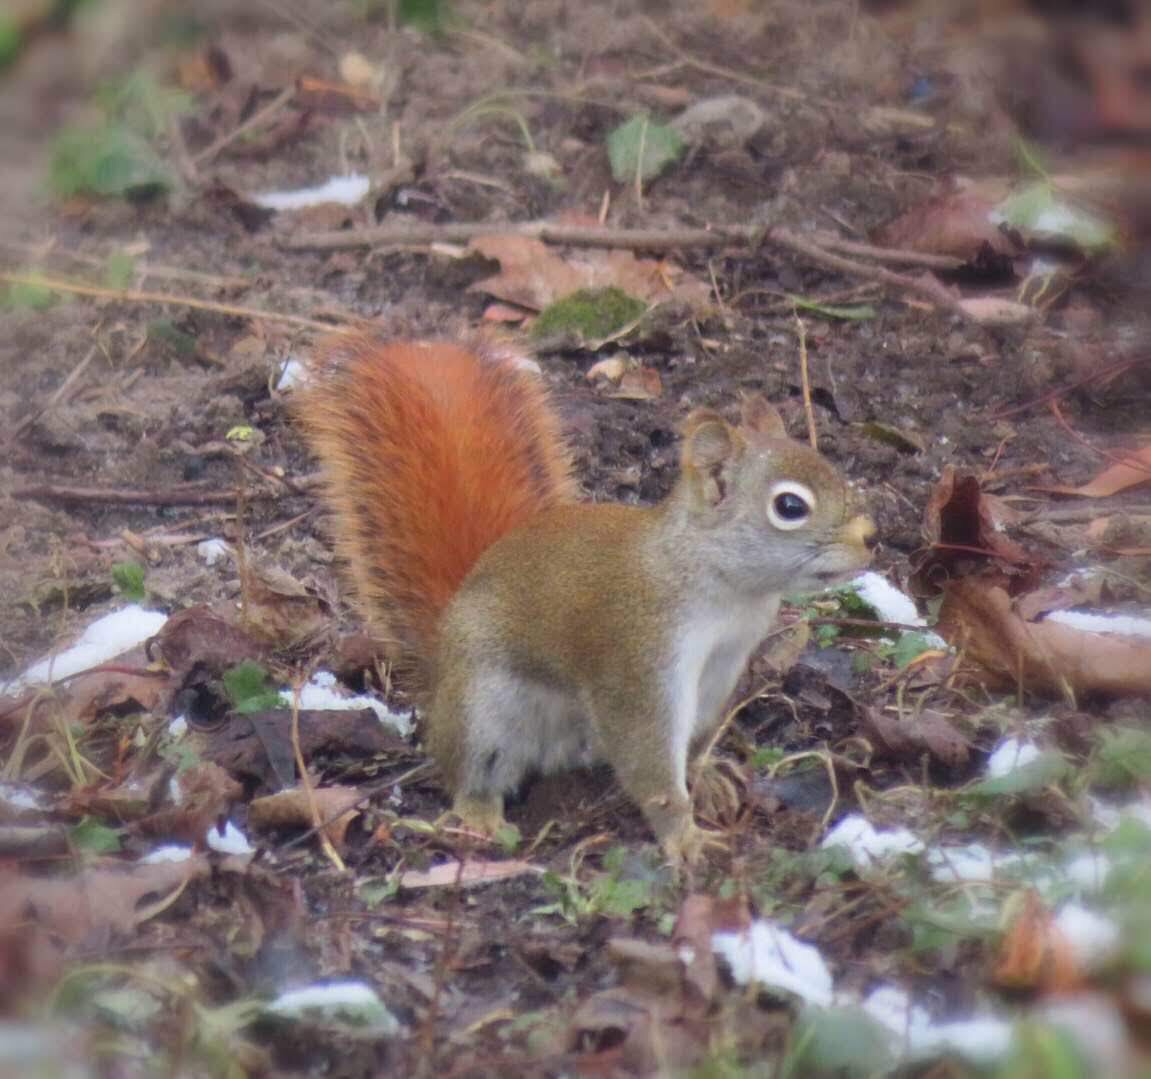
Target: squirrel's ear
758, 414
709, 446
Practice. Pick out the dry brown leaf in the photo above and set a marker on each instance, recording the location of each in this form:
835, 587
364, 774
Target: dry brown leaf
639, 384
283, 611
335, 807
995, 311
534, 274
94, 899
467, 875
930, 731
1133, 471
954, 222
1034, 954
1045, 657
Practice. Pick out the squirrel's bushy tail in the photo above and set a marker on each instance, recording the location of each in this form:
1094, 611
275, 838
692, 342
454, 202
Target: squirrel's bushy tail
432, 452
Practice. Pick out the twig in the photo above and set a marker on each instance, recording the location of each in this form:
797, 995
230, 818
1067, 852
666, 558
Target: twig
58, 284
326, 844
805, 382
723, 72
58, 395
143, 269
253, 121
895, 255
131, 496
548, 231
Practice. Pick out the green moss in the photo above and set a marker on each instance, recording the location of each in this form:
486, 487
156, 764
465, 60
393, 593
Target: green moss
589, 314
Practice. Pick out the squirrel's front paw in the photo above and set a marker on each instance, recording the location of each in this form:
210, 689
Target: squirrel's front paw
479, 813
685, 845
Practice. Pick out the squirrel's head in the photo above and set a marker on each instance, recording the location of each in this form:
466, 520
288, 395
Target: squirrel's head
782, 517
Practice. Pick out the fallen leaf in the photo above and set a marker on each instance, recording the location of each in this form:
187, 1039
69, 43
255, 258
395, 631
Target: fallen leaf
336, 808
995, 311
930, 731
978, 618
1132, 471
534, 274
954, 222
95, 898
1033, 953
639, 384
467, 875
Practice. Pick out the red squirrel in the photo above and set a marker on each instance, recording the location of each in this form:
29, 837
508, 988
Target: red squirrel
545, 632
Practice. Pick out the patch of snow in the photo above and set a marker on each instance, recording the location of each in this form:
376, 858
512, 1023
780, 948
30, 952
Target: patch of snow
170, 852
1128, 625
292, 374
321, 692
1088, 870
212, 550
892, 1009
886, 600
1093, 938
102, 640
868, 846
772, 957
975, 861
230, 841
178, 727
982, 1040
344, 190
1010, 755
19, 796
354, 999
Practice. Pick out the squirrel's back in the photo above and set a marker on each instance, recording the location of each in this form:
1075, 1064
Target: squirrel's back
432, 452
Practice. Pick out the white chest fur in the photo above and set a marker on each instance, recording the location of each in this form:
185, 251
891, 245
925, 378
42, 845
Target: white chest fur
710, 656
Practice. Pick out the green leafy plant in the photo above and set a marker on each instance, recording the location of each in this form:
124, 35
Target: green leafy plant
248, 689
640, 149
1123, 758
92, 837
588, 314
128, 577
116, 158
609, 894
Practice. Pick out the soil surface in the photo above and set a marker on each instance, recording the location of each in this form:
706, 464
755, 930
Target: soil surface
161, 410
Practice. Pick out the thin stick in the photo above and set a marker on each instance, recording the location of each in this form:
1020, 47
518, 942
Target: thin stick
805, 382
58, 284
253, 121
326, 844
143, 268
58, 395
132, 496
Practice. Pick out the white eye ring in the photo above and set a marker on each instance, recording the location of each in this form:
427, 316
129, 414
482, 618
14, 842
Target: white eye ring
790, 505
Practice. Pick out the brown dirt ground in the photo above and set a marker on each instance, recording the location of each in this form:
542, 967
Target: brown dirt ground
152, 407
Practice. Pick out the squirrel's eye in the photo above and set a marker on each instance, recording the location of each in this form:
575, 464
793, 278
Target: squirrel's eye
790, 505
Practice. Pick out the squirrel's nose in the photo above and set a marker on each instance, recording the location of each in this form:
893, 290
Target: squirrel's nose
861, 530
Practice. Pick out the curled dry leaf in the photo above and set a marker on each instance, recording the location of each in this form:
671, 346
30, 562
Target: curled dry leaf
963, 522
1033, 953
979, 618
335, 810
204, 794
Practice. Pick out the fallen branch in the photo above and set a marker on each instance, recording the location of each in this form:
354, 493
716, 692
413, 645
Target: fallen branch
814, 249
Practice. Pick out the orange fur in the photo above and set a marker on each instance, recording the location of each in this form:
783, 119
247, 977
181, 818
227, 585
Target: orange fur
433, 451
